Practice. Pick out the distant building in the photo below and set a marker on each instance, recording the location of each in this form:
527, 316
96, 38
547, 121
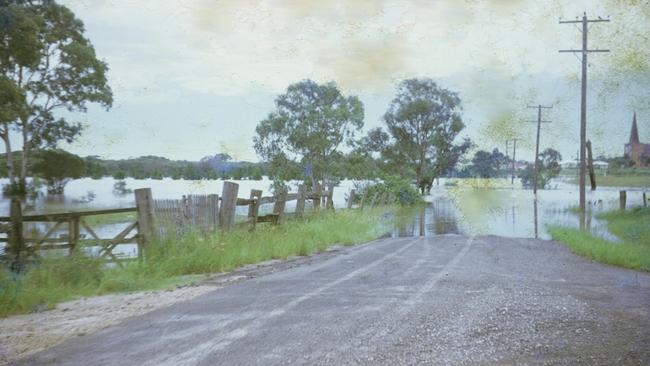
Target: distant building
637, 152
572, 164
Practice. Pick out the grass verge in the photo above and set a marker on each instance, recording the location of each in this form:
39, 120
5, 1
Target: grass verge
179, 260
619, 180
630, 226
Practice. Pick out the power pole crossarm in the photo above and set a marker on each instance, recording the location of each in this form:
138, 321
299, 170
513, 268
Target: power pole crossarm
580, 51
599, 20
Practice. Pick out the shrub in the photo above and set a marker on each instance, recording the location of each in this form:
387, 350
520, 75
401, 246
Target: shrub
399, 188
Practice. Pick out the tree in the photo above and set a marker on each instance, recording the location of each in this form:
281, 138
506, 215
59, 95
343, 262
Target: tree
302, 136
549, 167
423, 122
57, 167
488, 165
46, 58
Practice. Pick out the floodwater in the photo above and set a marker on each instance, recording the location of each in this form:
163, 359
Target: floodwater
512, 211
78, 193
506, 210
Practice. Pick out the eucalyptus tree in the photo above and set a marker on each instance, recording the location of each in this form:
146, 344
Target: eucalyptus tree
302, 137
487, 164
46, 59
57, 167
422, 123
47, 66
548, 168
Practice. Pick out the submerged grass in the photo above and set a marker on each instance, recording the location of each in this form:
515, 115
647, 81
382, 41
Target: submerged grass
632, 227
636, 178
179, 260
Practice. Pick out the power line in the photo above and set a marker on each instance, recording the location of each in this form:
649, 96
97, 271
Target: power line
583, 102
539, 126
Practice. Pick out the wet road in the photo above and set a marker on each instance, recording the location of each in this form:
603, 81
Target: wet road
435, 300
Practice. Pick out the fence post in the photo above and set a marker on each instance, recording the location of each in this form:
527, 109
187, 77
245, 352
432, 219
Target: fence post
146, 225
213, 208
254, 207
645, 200
185, 212
363, 199
330, 195
73, 233
15, 234
280, 203
228, 205
300, 203
350, 198
622, 199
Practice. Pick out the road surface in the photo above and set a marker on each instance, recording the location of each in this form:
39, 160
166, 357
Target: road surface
438, 300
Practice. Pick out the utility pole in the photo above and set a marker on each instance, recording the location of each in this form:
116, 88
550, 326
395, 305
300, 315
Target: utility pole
583, 101
578, 163
514, 152
507, 142
539, 126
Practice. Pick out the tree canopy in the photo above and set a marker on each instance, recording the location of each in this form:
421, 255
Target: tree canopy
422, 123
57, 167
487, 164
548, 168
45, 59
304, 133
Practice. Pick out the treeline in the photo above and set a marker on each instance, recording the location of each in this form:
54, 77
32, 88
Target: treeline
157, 167
61, 164
220, 166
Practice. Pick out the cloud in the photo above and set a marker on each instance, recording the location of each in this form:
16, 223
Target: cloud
231, 47
499, 54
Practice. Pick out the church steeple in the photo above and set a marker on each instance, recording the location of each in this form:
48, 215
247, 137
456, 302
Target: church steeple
634, 135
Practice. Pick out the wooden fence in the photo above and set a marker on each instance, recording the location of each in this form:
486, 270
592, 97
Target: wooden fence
155, 217
622, 199
210, 212
70, 230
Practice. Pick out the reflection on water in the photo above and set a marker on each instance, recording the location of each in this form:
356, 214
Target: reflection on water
511, 212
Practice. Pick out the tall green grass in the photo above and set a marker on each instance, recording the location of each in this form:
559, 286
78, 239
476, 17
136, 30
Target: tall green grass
182, 259
632, 227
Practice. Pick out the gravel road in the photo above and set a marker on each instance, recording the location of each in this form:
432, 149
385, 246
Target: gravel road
437, 300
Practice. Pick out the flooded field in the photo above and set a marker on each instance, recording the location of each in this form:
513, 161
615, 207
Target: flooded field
512, 212
453, 207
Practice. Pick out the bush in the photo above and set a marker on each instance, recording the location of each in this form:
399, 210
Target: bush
120, 188
57, 168
399, 188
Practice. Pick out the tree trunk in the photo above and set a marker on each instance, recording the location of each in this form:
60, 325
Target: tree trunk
418, 179
15, 237
430, 185
25, 152
10, 157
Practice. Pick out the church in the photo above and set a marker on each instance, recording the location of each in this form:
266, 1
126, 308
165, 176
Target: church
637, 152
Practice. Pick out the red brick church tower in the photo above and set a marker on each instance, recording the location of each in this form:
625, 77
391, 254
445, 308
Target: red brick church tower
637, 152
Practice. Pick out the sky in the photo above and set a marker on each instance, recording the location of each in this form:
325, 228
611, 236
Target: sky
194, 77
